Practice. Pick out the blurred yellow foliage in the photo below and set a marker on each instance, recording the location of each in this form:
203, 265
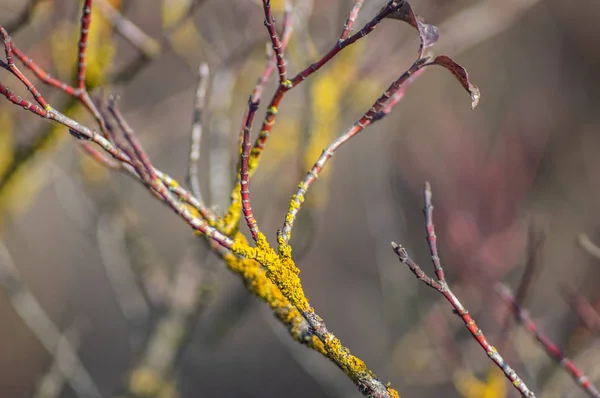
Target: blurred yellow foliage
327, 92
276, 5
100, 49
186, 40
28, 174
31, 175
469, 386
6, 140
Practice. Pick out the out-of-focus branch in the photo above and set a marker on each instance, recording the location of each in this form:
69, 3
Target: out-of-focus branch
150, 49
23, 18
196, 132
110, 236
44, 329
220, 126
153, 373
590, 247
52, 383
522, 316
584, 309
535, 244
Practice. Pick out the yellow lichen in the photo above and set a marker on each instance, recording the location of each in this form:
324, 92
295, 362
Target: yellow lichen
281, 269
257, 282
229, 223
393, 393
351, 365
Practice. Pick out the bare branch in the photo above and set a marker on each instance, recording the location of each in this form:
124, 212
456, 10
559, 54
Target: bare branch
442, 287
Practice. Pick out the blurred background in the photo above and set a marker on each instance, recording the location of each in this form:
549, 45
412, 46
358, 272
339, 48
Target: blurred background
90, 264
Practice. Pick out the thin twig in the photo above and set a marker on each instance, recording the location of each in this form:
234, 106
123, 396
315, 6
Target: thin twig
373, 114
441, 286
351, 19
256, 97
276, 44
272, 58
287, 85
149, 47
153, 180
244, 174
86, 18
82, 132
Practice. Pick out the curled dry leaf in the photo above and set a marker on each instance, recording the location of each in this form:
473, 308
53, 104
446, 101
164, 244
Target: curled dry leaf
428, 34
461, 75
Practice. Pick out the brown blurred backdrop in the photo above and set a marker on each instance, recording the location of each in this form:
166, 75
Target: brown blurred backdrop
516, 173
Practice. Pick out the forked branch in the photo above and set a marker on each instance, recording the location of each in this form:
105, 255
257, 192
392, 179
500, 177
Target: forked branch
439, 283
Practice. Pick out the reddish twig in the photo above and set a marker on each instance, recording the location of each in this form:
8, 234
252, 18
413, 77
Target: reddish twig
259, 88
244, 174
373, 114
441, 286
11, 67
287, 85
86, 19
397, 97
150, 177
522, 316
140, 159
82, 132
351, 19
276, 44
81, 95
42, 75
271, 58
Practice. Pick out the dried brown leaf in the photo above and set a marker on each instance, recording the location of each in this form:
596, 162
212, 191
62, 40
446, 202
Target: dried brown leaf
461, 75
428, 34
